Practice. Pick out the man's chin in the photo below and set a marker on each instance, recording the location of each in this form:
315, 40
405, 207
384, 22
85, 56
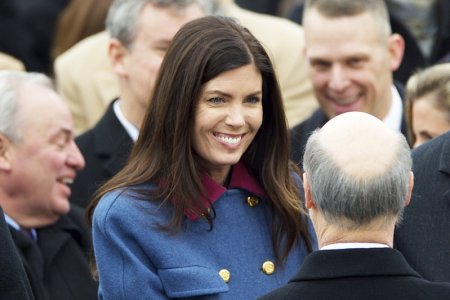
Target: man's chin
61, 207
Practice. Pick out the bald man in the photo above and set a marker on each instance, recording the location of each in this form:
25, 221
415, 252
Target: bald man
355, 190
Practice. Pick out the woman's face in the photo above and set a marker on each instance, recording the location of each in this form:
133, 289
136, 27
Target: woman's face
428, 121
228, 115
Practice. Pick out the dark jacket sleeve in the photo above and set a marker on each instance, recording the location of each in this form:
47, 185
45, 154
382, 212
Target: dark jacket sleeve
14, 283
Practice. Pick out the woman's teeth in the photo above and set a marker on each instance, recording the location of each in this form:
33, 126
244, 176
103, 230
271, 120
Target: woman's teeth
229, 140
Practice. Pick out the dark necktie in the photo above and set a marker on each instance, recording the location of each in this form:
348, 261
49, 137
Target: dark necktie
26, 232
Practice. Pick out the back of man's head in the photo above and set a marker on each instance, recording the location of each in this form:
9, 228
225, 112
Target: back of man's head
358, 170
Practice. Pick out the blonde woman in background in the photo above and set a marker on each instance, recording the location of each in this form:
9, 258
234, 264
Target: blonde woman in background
428, 103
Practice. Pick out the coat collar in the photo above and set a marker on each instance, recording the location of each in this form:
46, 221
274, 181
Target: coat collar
51, 239
333, 264
241, 178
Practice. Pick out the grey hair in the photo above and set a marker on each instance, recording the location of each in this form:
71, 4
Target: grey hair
344, 8
351, 202
11, 83
122, 17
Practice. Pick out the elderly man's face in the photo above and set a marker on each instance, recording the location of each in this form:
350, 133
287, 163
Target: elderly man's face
351, 63
46, 159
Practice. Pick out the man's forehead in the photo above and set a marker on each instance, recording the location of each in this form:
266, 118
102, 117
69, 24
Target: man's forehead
39, 106
159, 24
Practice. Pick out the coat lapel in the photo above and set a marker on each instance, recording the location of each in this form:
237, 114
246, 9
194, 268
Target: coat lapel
112, 142
30, 252
51, 239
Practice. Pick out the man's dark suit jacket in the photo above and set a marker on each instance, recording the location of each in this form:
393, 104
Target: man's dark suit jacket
105, 148
300, 133
13, 279
376, 273
57, 264
424, 235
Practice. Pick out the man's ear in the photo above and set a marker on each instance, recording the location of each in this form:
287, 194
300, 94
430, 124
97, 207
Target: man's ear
396, 50
5, 153
309, 203
410, 188
117, 53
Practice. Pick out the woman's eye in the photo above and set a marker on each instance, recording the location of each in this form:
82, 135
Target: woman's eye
216, 100
252, 99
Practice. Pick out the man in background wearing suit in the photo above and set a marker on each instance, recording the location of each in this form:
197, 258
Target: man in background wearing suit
424, 235
352, 55
355, 190
38, 159
141, 31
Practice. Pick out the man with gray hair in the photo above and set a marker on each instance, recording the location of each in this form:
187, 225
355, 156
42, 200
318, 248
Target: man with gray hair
140, 34
84, 74
38, 161
357, 181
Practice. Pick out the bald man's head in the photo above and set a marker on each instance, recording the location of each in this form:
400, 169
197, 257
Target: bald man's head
360, 144
358, 169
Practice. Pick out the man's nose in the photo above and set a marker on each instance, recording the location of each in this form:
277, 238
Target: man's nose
338, 78
75, 159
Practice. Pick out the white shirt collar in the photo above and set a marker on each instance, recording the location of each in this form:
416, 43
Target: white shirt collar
394, 117
353, 246
132, 131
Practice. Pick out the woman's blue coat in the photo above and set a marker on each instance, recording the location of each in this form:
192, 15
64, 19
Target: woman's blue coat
137, 260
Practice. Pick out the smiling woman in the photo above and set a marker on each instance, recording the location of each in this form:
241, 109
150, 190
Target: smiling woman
209, 180
227, 118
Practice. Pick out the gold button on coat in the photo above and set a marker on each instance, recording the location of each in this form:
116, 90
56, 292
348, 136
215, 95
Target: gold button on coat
268, 267
252, 201
225, 274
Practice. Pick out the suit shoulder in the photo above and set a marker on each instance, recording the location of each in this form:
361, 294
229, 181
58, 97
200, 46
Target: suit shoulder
433, 146
85, 138
77, 216
300, 133
122, 201
81, 50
